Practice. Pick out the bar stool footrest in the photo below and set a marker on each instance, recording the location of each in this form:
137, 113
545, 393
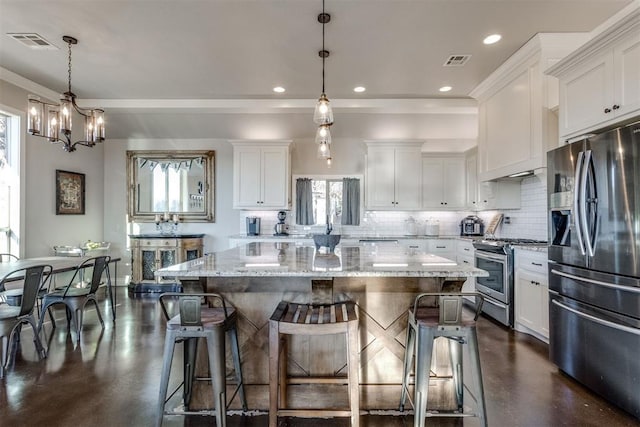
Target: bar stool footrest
313, 413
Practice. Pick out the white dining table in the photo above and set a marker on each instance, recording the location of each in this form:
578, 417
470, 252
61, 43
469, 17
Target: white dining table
63, 264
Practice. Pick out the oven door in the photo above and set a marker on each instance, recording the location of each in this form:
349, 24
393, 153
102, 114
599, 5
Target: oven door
496, 285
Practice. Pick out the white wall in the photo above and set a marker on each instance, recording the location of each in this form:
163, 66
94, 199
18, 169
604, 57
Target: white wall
115, 187
43, 228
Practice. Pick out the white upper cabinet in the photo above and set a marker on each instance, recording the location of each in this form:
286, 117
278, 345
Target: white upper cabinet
443, 182
261, 175
600, 82
394, 173
516, 124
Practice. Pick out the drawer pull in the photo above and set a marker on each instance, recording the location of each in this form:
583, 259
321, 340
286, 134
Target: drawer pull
441, 247
537, 264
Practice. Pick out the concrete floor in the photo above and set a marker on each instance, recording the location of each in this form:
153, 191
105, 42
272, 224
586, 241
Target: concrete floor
111, 379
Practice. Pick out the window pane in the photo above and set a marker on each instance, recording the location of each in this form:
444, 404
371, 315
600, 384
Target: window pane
319, 189
4, 142
335, 200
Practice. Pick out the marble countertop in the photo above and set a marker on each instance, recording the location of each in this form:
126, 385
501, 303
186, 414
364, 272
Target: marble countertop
258, 259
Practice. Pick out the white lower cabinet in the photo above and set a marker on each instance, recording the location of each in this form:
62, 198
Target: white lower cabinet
532, 293
465, 255
445, 248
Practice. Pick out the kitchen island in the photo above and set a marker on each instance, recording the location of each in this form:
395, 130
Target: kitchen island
382, 279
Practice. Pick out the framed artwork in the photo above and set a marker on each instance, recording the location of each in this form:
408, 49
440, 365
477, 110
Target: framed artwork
69, 193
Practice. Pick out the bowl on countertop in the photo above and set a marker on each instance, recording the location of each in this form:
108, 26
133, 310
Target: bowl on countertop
327, 240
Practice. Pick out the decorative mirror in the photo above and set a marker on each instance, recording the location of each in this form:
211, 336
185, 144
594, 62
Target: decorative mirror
167, 183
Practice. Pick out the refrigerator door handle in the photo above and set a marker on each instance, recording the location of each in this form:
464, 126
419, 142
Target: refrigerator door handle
577, 190
595, 282
595, 319
586, 234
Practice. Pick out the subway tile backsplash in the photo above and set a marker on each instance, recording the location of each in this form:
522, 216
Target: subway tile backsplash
528, 222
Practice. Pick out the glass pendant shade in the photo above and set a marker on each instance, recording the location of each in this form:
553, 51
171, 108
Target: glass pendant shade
90, 128
99, 115
53, 128
35, 116
65, 115
323, 135
323, 115
324, 151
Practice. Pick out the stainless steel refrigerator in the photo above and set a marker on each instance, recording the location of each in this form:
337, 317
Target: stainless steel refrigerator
594, 263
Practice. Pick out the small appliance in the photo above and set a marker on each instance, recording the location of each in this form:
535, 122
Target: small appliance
281, 229
253, 226
471, 226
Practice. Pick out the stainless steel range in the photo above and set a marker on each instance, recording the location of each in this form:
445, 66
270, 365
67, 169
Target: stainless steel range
496, 257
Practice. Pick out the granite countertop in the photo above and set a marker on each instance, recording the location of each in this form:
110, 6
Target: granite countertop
533, 248
343, 236
284, 259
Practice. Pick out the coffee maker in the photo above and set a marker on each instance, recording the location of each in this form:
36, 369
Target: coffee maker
281, 229
253, 226
471, 226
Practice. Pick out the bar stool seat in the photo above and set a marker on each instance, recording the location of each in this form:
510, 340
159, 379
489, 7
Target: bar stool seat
306, 319
194, 322
444, 320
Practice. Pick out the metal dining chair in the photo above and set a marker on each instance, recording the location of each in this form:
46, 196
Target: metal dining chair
76, 298
13, 317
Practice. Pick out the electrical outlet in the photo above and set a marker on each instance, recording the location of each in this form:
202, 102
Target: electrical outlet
507, 220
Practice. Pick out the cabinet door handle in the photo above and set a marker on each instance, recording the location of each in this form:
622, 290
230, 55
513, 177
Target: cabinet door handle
466, 249
537, 263
466, 262
441, 247
616, 106
607, 110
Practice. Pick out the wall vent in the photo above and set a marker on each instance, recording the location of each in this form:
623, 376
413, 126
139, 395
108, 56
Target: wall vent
32, 40
456, 60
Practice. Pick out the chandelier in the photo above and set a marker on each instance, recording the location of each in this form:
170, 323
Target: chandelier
58, 117
323, 115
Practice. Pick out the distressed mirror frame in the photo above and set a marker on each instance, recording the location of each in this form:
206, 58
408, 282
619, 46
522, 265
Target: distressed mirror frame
171, 155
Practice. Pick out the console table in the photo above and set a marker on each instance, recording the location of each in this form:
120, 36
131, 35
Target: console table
150, 252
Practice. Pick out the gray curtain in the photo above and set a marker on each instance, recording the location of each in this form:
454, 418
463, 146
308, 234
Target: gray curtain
304, 202
350, 201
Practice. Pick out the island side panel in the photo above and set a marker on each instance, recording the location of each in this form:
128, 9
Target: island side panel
382, 309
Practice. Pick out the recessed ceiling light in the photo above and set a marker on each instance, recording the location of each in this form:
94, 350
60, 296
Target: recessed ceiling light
278, 89
359, 89
493, 38
445, 88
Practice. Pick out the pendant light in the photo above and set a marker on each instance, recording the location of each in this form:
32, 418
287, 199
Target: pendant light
58, 116
323, 115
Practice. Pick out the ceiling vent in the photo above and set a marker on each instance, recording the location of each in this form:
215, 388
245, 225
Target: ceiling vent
456, 60
32, 40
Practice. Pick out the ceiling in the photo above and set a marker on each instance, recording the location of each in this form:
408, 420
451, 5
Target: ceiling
213, 63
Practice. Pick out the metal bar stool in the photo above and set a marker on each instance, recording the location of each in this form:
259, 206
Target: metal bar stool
304, 319
443, 320
193, 322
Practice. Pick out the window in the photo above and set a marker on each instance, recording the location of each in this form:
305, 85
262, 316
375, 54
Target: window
327, 200
9, 180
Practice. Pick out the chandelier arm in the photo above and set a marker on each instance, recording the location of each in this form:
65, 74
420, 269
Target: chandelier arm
80, 110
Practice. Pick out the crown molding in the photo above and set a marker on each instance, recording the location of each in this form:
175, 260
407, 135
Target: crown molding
288, 106
28, 85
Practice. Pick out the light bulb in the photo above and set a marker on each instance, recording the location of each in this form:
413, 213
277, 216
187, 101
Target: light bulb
323, 108
33, 111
